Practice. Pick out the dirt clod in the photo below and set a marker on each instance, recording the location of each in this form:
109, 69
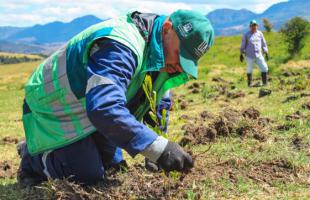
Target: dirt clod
290, 98
306, 106
9, 140
234, 95
218, 79
260, 137
196, 85
183, 105
287, 74
285, 127
251, 113
300, 144
6, 169
195, 91
305, 95
264, 121
206, 115
296, 115
264, 92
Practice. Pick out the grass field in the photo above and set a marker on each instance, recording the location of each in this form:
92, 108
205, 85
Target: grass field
240, 153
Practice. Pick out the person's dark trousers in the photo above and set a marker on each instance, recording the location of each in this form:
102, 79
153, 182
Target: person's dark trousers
250, 84
79, 162
265, 78
83, 161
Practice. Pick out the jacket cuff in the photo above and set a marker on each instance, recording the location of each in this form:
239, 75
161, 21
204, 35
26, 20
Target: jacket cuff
154, 151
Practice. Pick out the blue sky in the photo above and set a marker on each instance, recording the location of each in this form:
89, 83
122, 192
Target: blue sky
30, 12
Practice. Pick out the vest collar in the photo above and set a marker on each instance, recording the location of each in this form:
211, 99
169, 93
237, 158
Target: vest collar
155, 52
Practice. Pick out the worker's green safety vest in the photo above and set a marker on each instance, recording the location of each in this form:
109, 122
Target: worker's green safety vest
55, 92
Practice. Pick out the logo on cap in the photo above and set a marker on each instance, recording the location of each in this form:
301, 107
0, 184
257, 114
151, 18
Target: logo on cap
185, 29
201, 49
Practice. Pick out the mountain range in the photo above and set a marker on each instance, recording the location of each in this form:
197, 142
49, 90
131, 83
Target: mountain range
231, 22
40, 38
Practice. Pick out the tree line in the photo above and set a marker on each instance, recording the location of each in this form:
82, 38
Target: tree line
4, 59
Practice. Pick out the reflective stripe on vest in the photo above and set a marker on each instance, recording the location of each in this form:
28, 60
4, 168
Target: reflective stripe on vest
70, 101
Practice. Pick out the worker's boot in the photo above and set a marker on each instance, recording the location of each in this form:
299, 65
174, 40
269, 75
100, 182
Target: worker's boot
250, 84
25, 177
265, 78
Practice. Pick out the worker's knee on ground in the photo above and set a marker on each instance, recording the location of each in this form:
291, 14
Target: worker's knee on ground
90, 175
79, 162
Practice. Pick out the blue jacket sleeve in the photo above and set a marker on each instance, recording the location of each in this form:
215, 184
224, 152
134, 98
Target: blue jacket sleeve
166, 104
109, 72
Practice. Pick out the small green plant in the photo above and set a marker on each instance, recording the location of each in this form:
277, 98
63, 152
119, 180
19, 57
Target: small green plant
151, 95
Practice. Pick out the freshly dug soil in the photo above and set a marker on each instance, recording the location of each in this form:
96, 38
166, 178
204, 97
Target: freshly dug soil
230, 122
234, 95
7, 170
9, 140
300, 144
251, 113
306, 106
219, 79
195, 91
137, 183
206, 115
304, 95
268, 172
285, 127
183, 105
296, 115
196, 85
290, 98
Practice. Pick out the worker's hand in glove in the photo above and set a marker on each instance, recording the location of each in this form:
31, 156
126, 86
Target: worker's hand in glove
267, 56
175, 158
241, 58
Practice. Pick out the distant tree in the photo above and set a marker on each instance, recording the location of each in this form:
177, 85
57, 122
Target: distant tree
267, 25
295, 31
14, 59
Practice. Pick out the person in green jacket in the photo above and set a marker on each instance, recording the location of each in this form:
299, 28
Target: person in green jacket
85, 102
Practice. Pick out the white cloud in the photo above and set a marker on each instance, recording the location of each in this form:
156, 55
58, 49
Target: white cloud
30, 12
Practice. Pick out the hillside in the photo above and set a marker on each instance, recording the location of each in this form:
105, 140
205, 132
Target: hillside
245, 147
14, 47
7, 31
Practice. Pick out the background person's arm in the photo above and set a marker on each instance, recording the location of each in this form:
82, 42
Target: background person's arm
243, 44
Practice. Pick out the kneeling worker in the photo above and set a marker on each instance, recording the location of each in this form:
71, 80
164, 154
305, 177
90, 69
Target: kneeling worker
85, 102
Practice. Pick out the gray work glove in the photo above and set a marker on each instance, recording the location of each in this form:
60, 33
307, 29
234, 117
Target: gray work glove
175, 158
241, 58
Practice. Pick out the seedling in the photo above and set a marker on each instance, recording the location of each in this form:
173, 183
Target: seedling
151, 95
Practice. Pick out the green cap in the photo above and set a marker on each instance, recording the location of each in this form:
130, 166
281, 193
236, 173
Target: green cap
253, 22
196, 36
